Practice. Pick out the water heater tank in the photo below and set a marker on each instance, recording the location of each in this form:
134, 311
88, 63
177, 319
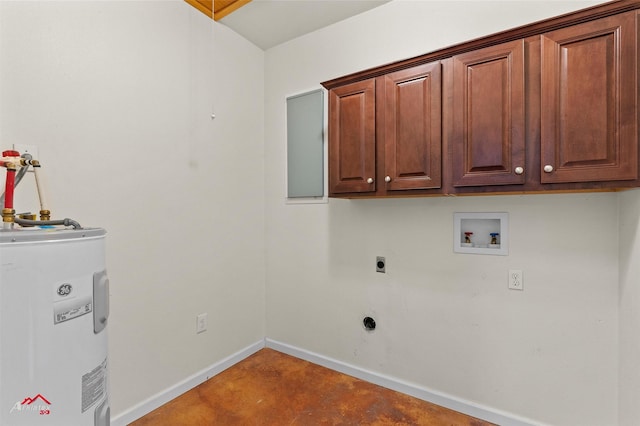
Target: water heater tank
54, 305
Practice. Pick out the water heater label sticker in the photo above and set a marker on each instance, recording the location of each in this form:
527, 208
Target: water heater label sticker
94, 386
72, 309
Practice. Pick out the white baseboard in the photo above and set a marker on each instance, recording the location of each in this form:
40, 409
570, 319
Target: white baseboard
145, 407
467, 407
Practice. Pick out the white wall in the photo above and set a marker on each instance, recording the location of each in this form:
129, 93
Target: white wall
629, 314
446, 321
118, 96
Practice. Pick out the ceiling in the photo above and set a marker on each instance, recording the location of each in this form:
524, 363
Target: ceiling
267, 23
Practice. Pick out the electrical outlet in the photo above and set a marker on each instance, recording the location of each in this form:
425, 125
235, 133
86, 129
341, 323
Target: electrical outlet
381, 264
27, 149
201, 323
516, 281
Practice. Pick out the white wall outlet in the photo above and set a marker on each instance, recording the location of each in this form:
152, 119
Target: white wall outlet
27, 149
515, 279
201, 323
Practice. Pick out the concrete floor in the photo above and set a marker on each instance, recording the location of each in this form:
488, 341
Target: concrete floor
271, 388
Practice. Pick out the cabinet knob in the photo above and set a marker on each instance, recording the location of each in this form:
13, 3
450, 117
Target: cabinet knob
548, 168
519, 170
370, 180
387, 179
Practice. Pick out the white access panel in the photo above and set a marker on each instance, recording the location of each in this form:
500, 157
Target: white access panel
481, 225
53, 339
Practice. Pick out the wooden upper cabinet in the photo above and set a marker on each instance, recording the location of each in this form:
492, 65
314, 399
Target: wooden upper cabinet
412, 128
352, 138
488, 133
551, 106
589, 102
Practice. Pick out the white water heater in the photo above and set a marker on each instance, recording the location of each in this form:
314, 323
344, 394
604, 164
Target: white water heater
54, 305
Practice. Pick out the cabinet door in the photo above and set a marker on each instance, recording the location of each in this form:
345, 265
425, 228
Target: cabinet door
588, 114
352, 132
412, 132
488, 133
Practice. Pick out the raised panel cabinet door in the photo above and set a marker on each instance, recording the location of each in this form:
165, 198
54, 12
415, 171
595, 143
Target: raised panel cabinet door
488, 132
352, 133
413, 136
589, 102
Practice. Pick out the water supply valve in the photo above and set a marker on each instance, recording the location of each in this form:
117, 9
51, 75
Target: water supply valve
8, 161
494, 237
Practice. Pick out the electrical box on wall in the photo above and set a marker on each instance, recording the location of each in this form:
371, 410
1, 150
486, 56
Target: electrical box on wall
481, 233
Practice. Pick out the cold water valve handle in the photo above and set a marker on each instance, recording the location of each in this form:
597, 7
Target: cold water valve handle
494, 237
